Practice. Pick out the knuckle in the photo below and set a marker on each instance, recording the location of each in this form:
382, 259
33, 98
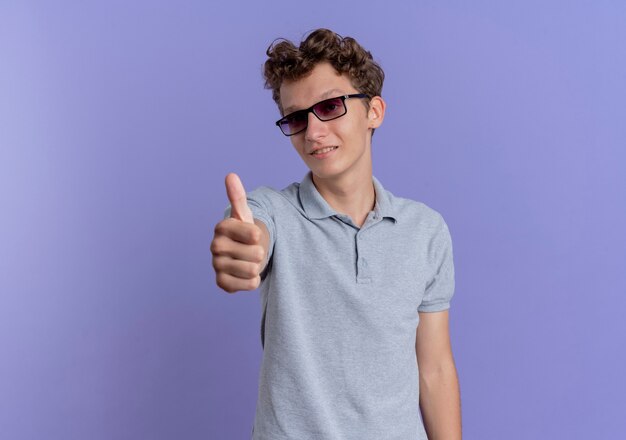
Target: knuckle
219, 280
225, 226
258, 254
255, 235
218, 263
217, 247
254, 283
252, 270
257, 269
220, 245
219, 228
223, 284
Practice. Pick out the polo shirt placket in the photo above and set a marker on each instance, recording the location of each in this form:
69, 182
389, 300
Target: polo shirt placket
362, 240
364, 237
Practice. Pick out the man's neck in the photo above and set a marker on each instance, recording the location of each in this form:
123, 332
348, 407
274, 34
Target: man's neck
351, 194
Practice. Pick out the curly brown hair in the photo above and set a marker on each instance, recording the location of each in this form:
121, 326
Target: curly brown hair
288, 62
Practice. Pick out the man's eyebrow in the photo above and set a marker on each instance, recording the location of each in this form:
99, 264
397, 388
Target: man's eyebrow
326, 94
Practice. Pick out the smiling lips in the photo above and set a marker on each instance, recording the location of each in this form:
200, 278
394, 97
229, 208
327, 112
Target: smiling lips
323, 150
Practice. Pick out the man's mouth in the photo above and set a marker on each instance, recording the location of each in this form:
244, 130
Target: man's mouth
324, 150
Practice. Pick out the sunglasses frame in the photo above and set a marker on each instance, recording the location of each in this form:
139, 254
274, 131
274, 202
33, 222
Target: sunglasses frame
310, 110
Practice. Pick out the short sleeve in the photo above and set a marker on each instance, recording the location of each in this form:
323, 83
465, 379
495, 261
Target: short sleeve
440, 289
260, 205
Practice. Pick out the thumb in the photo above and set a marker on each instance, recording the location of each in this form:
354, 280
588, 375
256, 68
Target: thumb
237, 198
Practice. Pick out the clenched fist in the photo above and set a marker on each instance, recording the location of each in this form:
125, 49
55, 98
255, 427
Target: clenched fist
240, 243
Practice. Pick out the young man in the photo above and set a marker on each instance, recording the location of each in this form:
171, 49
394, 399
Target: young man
347, 270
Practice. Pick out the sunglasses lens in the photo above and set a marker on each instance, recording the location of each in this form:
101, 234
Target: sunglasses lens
293, 123
329, 109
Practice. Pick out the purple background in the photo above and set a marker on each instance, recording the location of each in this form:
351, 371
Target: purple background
119, 121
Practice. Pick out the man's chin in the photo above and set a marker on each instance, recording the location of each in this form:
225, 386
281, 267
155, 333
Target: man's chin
325, 173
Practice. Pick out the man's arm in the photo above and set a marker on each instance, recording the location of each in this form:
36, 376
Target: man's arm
440, 400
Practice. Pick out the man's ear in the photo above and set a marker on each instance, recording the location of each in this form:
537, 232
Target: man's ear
376, 112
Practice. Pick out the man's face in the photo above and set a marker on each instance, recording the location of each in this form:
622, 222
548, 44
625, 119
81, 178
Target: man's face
348, 136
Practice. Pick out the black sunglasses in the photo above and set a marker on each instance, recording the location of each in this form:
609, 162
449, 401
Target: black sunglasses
325, 110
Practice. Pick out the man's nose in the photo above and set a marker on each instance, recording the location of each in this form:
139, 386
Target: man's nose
315, 128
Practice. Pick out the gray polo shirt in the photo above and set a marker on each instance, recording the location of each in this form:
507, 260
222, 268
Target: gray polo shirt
339, 314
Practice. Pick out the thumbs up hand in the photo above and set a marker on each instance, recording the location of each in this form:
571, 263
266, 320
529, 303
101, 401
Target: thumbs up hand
240, 243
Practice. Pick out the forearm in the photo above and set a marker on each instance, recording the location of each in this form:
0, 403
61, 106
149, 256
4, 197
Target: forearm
440, 403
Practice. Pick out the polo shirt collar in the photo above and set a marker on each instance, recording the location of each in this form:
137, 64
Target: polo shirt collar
316, 207
384, 202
